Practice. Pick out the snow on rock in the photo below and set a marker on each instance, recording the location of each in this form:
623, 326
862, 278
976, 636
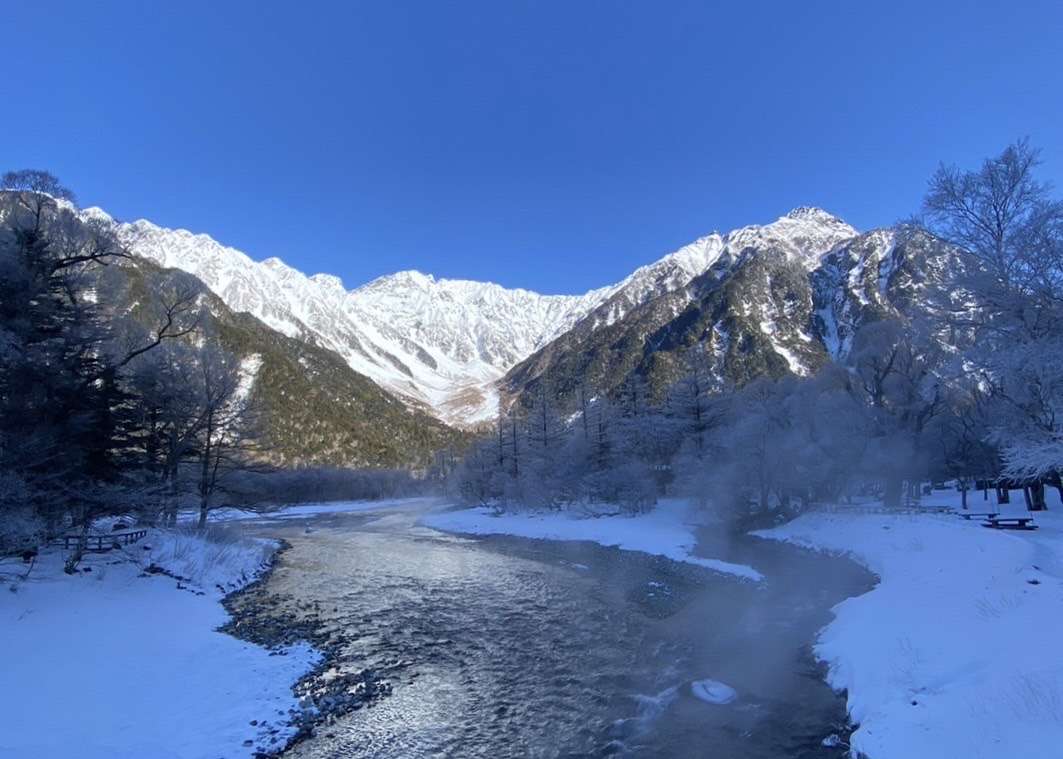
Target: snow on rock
667, 530
117, 663
956, 651
443, 344
713, 691
436, 343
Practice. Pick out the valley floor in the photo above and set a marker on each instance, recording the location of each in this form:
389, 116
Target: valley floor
953, 653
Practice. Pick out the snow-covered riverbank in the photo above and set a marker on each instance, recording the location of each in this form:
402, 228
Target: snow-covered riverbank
666, 530
955, 653
116, 662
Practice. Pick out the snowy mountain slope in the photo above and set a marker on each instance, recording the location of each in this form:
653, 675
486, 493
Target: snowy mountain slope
779, 299
745, 295
438, 344
883, 273
762, 296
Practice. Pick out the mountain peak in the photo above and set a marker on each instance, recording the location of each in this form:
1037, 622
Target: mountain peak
330, 281
413, 277
813, 213
95, 213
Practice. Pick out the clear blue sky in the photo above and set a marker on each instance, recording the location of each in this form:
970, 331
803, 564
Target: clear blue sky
549, 145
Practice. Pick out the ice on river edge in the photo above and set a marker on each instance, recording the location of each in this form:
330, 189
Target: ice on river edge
667, 530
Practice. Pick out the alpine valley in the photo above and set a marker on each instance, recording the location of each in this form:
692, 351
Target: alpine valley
442, 357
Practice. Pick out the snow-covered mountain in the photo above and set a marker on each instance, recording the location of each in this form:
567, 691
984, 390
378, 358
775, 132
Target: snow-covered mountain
745, 295
437, 343
445, 344
780, 299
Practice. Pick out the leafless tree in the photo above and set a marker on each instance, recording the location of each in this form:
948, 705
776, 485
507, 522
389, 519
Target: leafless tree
1002, 214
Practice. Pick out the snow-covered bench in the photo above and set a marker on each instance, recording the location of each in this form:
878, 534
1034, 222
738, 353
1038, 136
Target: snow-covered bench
1010, 523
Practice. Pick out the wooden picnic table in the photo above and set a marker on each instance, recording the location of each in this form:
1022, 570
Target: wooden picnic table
1010, 523
969, 515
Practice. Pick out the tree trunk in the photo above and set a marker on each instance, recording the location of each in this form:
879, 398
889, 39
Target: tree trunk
1003, 495
171, 508
1057, 483
1037, 497
963, 497
891, 499
1026, 495
74, 559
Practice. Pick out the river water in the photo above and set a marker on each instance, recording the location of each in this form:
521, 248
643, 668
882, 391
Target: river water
504, 647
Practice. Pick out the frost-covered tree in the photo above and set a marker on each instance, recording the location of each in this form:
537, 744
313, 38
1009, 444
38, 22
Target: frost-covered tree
1002, 214
545, 434
1028, 423
897, 369
228, 441
1008, 218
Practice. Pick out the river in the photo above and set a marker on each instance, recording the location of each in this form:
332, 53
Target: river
505, 647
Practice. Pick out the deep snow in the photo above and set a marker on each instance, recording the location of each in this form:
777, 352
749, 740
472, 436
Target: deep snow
667, 530
955, 653
114, 662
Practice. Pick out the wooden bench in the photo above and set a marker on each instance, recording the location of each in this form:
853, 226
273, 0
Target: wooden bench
102, 543
969, 515
1010, 523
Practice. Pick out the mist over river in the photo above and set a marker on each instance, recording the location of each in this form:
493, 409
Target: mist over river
507, 647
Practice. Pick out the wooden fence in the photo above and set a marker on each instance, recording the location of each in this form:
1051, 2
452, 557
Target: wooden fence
100, 543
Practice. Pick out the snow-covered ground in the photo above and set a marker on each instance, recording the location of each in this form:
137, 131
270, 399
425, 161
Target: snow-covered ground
114, 662
956, 652
305, 510
667, 530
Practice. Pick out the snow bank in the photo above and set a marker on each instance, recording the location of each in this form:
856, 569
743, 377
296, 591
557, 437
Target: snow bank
305, 510
667, 530
114, 662
956, 651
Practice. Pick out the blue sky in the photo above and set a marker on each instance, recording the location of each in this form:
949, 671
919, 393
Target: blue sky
548, 145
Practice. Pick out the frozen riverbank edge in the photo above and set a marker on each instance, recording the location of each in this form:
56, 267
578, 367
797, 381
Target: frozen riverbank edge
125, 657
669, 530
955, 651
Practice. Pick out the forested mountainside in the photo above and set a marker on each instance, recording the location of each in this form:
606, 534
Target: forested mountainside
763, 300
443, 345
767, 305
438, 344
316, 409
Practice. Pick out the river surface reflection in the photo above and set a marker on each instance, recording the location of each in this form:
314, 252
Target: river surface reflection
504, 647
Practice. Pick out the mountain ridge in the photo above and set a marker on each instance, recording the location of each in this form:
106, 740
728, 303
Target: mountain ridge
450, 346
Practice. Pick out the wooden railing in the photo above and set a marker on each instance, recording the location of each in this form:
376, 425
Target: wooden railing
102, 543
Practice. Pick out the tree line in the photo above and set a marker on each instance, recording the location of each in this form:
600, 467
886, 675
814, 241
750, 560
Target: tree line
115, 395
965, 386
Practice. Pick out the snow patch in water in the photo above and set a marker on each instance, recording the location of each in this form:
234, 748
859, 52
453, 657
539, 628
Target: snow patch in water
713, 691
